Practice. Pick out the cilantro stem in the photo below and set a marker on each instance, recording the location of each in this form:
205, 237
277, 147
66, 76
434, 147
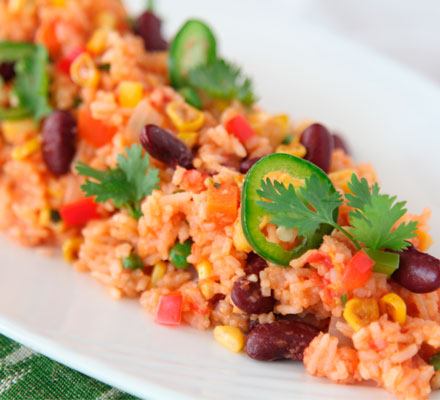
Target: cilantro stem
348, 234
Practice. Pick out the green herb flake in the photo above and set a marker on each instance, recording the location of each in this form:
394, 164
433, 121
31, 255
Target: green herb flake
126, 185
435, 361
287, 139
132, 262
344, 299
104, 67
55, 216
77, 101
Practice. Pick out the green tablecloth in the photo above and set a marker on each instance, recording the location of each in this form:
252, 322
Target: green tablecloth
25, 374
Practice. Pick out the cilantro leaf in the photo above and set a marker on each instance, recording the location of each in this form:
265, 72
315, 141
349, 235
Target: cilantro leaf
375, 215
126, 185
222, 80
291, 209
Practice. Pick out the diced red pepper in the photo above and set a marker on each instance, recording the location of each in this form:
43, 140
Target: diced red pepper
240, 128
79, 212
64, 64
194, 180
94, 131
169, 310
357, 272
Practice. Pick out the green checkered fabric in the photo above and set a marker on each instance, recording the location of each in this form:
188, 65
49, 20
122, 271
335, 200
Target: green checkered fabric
25, 374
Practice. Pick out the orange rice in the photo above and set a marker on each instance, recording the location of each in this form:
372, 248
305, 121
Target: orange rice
384, 351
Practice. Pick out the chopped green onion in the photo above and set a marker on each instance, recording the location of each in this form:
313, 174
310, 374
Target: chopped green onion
132, 262
385, 262
179, 253
435, 361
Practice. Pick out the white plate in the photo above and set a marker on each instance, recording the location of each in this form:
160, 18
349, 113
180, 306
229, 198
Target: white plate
391, 118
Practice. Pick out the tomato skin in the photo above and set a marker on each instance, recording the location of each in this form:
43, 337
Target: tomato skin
79, 212
240, 128
169, 310
358, 271
95, 132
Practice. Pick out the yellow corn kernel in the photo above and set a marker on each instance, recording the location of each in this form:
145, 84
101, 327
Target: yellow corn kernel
393, 305
44, 217
207, 288
189, 138
98, 41
15, 6
16, 131
301, 126
341, 179
106, 19
283, 121
70, 249
83, 71
130, 93
425, 240
285, 178
238, 238
159, 270
294, 149
26, 149
204, 269
230, 337
360, 312
185, 117
59, 3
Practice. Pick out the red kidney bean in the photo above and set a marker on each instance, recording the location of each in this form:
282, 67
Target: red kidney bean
148, 27
418, 272
247, 164
319, 145
7, 71
279, 340
247, 296
164, 146
339, 143
59, 134
254, 264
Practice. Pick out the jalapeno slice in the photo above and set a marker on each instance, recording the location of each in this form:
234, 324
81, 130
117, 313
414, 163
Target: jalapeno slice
252, 214
194, 45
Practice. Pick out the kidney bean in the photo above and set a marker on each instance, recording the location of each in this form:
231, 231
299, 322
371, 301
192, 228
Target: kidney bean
246, 295
254, 264
418, 272
59, 134
7, 71
247, 164
319, 145
148, 27
339, 143
164, 146
279, 340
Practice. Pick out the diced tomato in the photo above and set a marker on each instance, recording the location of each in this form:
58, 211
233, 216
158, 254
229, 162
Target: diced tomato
222, 208
64, 64
93, 131
318, 257
79, 212
47, 36
357, 272
169, 310
240, 128
194, 181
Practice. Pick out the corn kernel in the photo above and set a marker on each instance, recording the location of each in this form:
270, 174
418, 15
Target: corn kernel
98, 41
361, 312
238, 238
207, 288
341, 179
59, 3
189, 138
393, 305
15, 6
130, 94
300, 127
283, 121
185, 117
294, 149
425, 240
230, 337
159, 270
70, 249
106, 19
285, 178
44, 217
204, 269
26, 149
16, 131
83, 71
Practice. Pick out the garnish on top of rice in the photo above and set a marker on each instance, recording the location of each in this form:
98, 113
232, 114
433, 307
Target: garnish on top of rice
154, 170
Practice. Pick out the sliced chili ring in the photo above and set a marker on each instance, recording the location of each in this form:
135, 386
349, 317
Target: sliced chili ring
252, 214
